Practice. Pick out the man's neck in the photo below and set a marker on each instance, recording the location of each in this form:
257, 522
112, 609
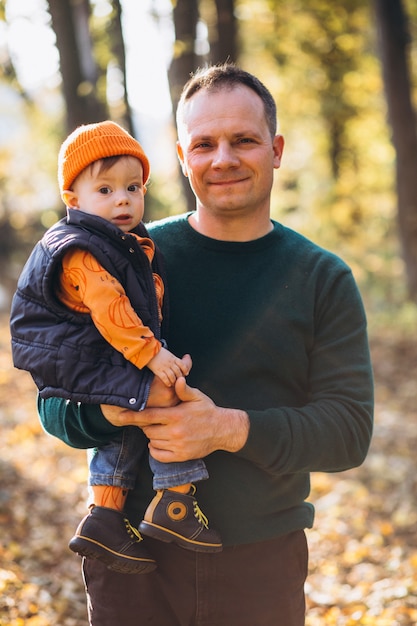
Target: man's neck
248, 228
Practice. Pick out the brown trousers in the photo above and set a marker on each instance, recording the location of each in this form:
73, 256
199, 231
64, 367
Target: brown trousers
260, 584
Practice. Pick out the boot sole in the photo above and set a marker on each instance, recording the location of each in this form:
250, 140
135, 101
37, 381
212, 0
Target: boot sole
116, 562
169, 536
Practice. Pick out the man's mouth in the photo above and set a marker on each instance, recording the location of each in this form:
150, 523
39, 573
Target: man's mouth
225, 183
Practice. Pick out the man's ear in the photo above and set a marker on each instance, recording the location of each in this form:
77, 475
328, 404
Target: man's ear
180, 155
70, 199
278, 147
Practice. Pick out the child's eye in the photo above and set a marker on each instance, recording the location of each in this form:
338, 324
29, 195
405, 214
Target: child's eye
104, 190
133, 188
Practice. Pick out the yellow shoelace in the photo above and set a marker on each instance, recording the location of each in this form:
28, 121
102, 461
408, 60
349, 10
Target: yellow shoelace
202, 519
133, 532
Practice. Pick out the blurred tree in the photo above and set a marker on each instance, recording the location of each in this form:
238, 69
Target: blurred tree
337, 183
222, 28
221, 45
93, 60
330, 39
117, 46
17, 109
394, 38
79, 70
185, 60
92, 55
189, 51
7, 69
225, 44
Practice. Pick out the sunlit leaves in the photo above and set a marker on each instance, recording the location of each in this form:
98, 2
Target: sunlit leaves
363, 547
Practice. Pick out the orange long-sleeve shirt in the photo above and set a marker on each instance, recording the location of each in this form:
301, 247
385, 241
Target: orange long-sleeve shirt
85, 286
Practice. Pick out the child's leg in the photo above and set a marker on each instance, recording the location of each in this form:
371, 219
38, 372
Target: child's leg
174, 515
115, 464
186, 488
177, 475
109, 496
105, 533
113, 470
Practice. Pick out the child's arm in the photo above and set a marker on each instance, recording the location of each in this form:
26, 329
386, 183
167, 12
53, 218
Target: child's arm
88, 288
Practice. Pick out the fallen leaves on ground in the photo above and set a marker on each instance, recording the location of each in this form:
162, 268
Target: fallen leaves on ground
363, 548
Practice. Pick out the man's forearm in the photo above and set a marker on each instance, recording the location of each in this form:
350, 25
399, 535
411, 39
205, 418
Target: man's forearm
233, 429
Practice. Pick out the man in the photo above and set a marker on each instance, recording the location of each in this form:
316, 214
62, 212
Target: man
281, 382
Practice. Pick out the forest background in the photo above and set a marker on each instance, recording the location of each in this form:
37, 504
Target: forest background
345, 80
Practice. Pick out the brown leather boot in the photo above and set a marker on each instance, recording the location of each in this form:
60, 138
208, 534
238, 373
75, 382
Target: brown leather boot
176, 517
106, 535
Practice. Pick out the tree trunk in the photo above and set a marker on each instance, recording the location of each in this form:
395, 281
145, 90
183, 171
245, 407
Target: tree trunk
394, 41
78, 68
184, 62
119, 52
225, 47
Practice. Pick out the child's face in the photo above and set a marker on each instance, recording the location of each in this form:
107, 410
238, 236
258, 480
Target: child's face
116, 194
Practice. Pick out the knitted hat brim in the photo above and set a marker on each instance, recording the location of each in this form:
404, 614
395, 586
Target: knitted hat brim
92, 142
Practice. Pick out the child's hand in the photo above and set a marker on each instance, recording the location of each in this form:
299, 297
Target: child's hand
169, 367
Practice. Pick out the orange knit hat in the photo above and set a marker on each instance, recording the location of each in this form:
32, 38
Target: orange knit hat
91, 142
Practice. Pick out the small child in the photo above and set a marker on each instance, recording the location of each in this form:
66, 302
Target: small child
86, 321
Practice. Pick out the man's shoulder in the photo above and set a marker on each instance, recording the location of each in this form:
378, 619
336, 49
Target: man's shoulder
167, 224
309, 252
296, 238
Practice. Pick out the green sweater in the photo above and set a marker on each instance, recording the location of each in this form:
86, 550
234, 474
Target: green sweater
275, 327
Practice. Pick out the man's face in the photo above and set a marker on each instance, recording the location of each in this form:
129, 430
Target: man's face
227, 152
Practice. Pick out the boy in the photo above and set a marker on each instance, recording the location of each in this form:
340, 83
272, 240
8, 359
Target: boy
85, 323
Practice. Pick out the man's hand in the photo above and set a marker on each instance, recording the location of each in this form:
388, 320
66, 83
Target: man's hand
191, 427
194, 428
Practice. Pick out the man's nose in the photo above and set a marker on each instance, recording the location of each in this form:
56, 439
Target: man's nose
224, 156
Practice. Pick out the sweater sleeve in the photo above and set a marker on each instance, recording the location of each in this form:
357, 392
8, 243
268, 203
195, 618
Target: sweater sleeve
77, 425
332, 431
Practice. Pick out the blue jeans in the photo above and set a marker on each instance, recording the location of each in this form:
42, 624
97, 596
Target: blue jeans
116, 464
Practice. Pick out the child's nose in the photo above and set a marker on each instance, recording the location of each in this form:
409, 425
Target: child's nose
122, 197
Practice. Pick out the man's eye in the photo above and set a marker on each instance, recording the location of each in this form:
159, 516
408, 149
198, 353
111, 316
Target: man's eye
201, 145
104, 190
